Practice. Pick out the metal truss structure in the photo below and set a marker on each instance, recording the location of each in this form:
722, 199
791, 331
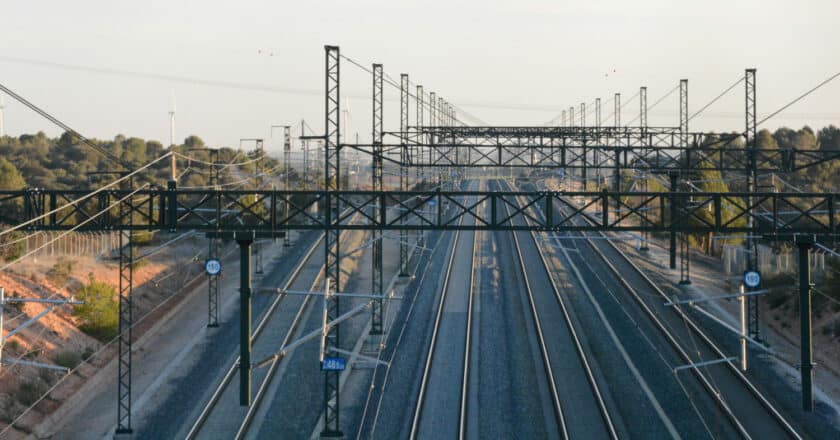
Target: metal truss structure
441, 143
332, 268
752, 180
774, 214
404, 154
125, 211
377, 279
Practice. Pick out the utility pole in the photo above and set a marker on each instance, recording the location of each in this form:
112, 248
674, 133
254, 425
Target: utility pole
597, 153
617, 171
214, 244
377, 284
172, 160
332, 268
403, 168
287, 158
806, 362
305, 146
643, 110
419, 153
583, 175
750, 245
685, 249
433, 152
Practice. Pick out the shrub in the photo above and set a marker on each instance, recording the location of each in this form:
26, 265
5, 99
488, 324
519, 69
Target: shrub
142, 238
777, 297
13, 345
87, 353
30, 391
98, 315
60, 272
11, 248
68, 359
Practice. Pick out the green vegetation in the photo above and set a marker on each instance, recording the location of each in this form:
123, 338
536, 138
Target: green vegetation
30, 391
98, 316
68, 359
60, 272
38, 161
13, 345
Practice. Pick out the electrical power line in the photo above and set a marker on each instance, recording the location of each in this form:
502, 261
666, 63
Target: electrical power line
84, 197
664, 97
740, 80
832, 77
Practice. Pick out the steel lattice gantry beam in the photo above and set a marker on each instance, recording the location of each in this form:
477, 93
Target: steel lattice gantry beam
773, 213
650, 149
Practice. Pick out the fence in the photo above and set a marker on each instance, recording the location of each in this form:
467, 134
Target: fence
769, 263
73, 244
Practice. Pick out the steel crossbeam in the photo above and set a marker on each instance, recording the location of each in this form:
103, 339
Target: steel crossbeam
772, 212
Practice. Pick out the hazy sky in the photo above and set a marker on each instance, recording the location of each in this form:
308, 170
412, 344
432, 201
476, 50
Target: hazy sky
505, 62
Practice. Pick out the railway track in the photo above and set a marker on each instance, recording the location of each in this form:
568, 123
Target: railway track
272, 367
439, 414
748, 413
575, 371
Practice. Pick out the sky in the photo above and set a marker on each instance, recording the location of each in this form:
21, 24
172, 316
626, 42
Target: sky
234, 69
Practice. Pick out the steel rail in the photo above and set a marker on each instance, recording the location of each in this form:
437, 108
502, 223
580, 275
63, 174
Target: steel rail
267, 315
763, 400
555, 397
418, 409
462, 422
604, 411
715, 394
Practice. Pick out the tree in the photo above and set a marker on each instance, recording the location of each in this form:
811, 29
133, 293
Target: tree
99, 315
765, 140
829, 138
193, 141
10, 177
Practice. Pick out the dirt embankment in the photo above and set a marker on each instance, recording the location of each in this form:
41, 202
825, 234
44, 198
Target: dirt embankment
27, 393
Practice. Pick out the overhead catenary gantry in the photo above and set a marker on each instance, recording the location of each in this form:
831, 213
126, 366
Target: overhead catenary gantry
438, 143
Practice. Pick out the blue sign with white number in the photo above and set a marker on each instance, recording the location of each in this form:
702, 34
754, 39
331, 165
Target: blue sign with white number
212, 266
333, 364
752, 278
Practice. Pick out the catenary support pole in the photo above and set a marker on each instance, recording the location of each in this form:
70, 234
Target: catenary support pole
750, 245
597, 153
805, 243
124, 340
672, 248
643, 123
403, 169
287, 169
332, 264
421, 177
245, 321
378, 208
